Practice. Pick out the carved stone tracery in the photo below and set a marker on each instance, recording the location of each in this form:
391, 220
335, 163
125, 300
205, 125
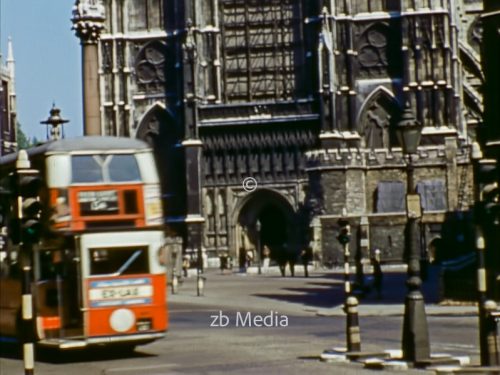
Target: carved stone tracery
267, 154
475, 35
372, 51
150, 66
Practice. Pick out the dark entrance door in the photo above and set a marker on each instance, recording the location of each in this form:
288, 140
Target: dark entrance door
278, 230
274, 228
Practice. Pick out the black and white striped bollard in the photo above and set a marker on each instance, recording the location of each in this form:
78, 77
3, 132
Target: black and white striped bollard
353, 332
27, 323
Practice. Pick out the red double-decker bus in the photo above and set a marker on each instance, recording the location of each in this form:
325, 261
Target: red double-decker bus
98, 275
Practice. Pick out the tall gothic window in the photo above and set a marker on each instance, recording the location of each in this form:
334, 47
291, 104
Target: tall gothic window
145, 14
376, 6
262, 49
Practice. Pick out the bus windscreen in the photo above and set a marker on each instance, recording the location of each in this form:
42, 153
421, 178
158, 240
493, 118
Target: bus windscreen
119, 261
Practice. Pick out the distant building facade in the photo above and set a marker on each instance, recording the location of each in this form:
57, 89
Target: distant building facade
7, 103
303, 97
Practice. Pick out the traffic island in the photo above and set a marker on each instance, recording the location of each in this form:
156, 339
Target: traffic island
395, 362
392, 360
343, 355
442, 370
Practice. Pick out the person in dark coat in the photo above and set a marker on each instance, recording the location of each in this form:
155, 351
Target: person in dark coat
281, 259
378, 276
223, 262
291, 258
185, 265
242, 259
306, 256
291, 262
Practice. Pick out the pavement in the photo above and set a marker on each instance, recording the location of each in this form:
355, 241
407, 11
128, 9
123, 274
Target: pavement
193, 346
320, 294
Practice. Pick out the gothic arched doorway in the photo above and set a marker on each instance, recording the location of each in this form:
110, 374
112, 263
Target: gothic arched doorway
278, 229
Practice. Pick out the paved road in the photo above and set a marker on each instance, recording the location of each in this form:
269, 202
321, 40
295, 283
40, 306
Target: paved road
193, 347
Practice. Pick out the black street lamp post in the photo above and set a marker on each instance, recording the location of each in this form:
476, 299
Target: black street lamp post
258, 227
415, 343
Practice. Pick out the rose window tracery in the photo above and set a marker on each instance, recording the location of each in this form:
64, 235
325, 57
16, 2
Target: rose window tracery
150, 65
372, 50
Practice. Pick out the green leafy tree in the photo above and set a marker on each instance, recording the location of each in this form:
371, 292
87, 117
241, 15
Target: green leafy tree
22, 140
35, 141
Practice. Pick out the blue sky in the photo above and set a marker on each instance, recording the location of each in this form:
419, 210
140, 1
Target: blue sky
48, 62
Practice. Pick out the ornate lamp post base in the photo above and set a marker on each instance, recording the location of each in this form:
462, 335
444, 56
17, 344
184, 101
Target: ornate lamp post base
415, 342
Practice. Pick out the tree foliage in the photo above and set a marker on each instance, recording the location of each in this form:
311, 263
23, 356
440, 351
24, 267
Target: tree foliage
23, 141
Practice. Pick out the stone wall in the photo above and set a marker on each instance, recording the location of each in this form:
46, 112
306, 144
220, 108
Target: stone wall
350, 181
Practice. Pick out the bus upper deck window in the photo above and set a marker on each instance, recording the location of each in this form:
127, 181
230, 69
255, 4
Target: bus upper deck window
105, 168
85, 168
123, 168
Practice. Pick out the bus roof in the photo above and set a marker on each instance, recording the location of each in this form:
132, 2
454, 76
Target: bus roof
86, 143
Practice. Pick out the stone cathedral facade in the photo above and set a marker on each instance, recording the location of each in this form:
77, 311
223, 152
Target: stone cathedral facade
303, 96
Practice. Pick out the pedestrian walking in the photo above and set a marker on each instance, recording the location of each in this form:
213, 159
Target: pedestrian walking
249, 258
281, 258
242, 259
290, 258
378, 276
306, 256
223, 262
266, 253
185, 265
291, 262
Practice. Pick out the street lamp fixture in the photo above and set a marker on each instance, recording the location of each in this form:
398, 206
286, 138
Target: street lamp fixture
258, 228
55, 121
415, 343
408, 131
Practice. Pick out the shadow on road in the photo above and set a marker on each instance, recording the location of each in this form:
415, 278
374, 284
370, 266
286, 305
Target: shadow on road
327, 294
53, 356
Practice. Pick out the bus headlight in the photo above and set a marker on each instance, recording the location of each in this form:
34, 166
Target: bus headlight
122, 320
